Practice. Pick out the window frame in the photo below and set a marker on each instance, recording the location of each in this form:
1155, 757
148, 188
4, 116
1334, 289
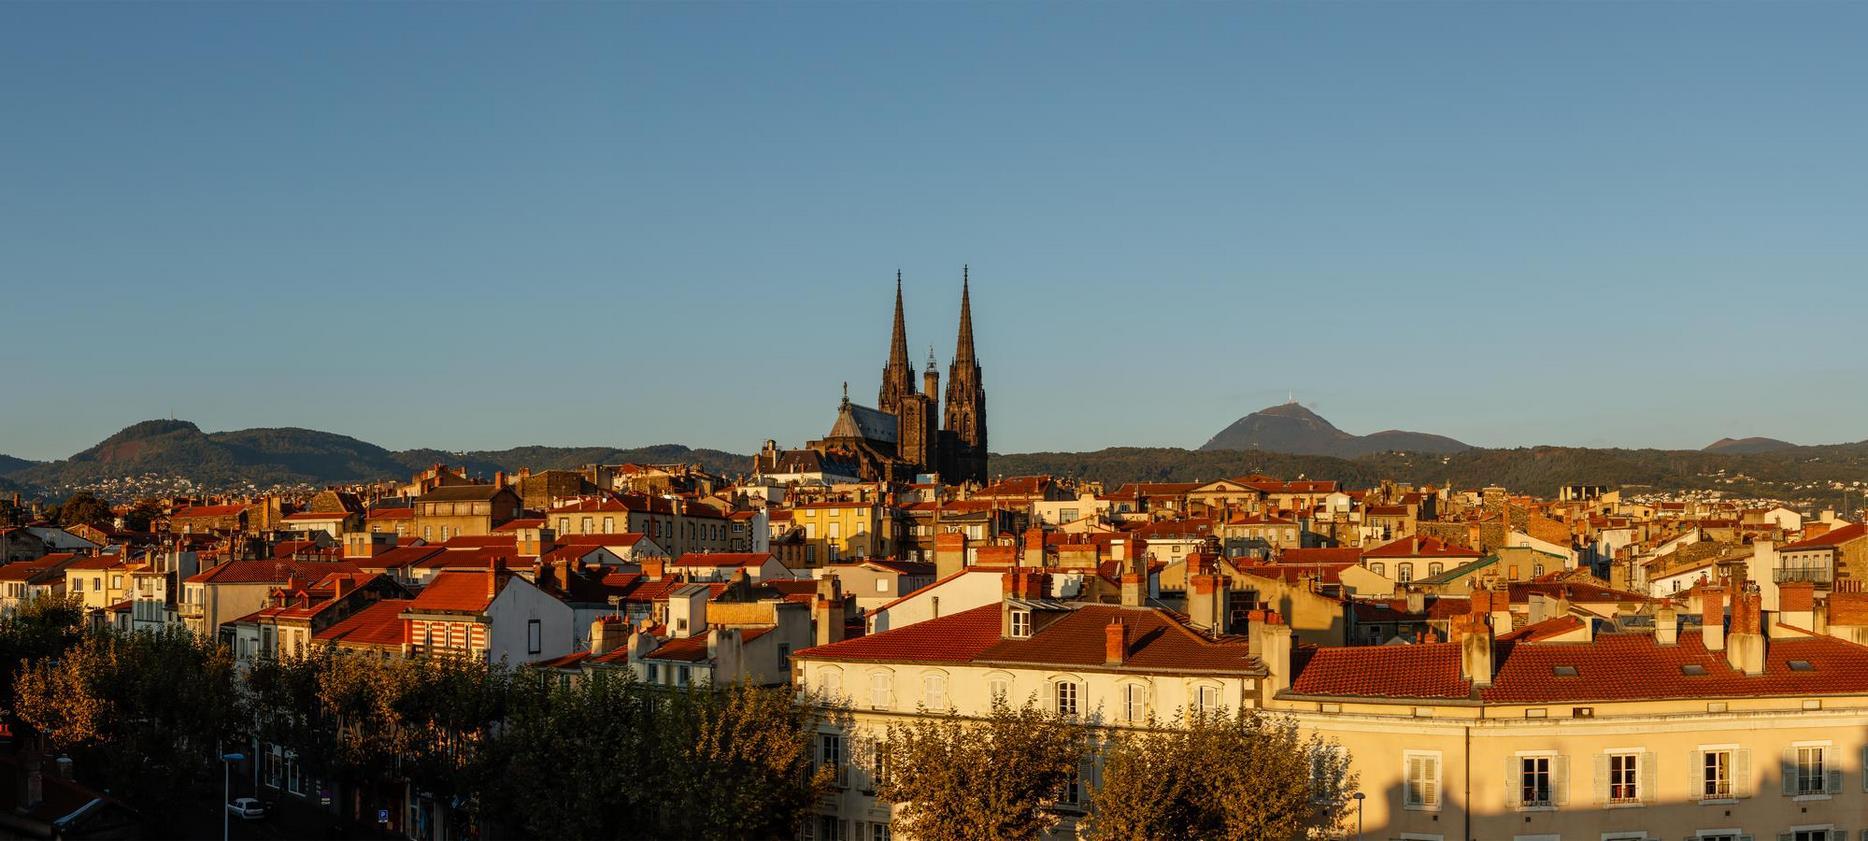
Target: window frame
1427, 797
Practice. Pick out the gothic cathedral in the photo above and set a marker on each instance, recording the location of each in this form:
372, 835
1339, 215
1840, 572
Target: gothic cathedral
904, 434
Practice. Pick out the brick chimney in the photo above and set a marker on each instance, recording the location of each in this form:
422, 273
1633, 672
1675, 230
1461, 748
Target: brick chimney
1206, 599
1712, 617
1274, 651
606, 633
1744, 646
1034, 546
1475, 655
493, 571
827, 611
1115, 643
1134, 583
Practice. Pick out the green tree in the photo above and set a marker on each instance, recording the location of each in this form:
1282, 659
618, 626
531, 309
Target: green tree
736, 762
144, 715
996, 777
569, 762
84, 507
1246, 776
141, 515
42, 628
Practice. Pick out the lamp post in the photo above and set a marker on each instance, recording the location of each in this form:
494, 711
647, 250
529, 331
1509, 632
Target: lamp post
1359, 796
227, 761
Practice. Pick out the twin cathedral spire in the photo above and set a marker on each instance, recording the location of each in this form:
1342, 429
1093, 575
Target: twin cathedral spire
955, 448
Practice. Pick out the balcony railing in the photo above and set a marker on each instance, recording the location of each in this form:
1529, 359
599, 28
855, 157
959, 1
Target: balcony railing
1813, 575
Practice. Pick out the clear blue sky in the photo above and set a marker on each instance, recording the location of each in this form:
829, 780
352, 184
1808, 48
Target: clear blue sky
485, 225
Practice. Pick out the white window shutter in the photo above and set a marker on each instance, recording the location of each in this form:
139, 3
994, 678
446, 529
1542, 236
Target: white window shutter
1602, 778
1649, 792
1741, 773
1559, 780
1835, 778
1787, 771
1695, 776
1514, 781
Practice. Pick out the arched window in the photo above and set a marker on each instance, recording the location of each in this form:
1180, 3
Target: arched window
829, 684
881, 690
1435, 568
1378, 569
934, 690
1404, 572
1068, 696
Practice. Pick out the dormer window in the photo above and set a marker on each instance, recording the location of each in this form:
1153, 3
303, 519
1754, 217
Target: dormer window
1021, 624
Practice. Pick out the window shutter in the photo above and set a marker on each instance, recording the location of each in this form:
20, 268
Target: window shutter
1784, 836
1602, 778
1649, 778
1695, 776
1864, 767
1514, 781
1835, 778
1430, 785
1787, 771
1559, 780
1741, 773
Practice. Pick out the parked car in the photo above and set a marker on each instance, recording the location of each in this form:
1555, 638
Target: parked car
247, 808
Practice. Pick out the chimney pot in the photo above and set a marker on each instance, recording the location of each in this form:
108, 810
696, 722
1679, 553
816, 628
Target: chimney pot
1115, 643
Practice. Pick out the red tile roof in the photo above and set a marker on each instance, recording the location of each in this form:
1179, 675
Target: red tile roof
1328, 555
1415, 546
457, 592
1633, 666
1833, 537
1157, 641
270, 571
377, 624
1429, 670
721, 559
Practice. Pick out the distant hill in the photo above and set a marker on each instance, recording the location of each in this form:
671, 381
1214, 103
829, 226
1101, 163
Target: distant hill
1291, 428
9, 464
285, 456
1799, 473
260, 456
268, 457
1742, 446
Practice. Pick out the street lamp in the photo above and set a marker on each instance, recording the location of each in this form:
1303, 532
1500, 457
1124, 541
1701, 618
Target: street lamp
1359, 796
227, 761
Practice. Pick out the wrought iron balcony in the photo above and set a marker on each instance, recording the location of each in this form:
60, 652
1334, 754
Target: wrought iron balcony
1821, 576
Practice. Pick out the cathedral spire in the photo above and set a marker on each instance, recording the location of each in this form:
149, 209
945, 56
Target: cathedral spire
965, 421
898, 375
963, 349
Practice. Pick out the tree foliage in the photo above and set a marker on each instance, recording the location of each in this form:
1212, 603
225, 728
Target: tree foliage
144, 715
84, 507
994, 777
736, 761
1246, 776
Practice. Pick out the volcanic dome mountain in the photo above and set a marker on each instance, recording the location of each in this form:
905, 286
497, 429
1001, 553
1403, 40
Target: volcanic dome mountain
1291, 428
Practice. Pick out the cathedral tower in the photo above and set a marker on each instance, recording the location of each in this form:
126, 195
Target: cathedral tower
963, 438
898, 376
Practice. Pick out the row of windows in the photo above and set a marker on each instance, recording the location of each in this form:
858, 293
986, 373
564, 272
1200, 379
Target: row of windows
1065, 696
1404, 571
1629, 777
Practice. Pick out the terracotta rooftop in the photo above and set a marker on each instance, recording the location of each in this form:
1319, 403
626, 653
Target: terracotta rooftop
1415, 546
1831, 538
378, 624
1158, 641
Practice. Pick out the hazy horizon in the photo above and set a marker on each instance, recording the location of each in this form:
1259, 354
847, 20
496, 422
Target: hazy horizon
488, 225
